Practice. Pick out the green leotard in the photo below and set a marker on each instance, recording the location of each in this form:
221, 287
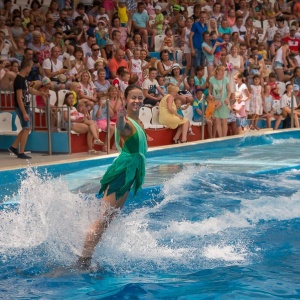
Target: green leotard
128, 169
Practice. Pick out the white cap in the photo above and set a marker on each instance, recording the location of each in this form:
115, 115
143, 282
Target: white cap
157, 7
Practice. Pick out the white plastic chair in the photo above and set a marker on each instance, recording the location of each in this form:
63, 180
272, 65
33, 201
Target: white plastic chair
188, 114
61, 97
281, 87
257, 23
145, 116
190, 10
158, 40
154, 121
5, 122
270, 68
260, 37
179, 57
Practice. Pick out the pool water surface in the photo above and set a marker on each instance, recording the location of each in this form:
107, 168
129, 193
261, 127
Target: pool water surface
215, 223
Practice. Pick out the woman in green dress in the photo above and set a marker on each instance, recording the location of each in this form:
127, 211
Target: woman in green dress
126, 172
219, 88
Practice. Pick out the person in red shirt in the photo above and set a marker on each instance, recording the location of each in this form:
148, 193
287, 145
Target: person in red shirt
116, 62
292, 41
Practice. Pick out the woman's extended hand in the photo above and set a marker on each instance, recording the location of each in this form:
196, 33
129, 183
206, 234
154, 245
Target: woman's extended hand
122, 112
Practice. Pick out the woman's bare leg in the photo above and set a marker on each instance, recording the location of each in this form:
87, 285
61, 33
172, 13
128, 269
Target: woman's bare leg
108, 210
218, 126
224, 127
178, 133
185, 129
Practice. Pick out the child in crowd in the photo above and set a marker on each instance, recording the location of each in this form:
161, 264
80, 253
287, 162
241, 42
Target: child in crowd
116, 81
214, 38
192, 87
168, 42
157, 26
124, 80
122, 13
274, 87
26, 18
256, 101
100, 34
261, 50
199, 110
239, 109
130, 46
180, 109
133, 79
185, 38
241, 87
271, 108
99, 115
80, 124
161, 82
270, 32
135, 65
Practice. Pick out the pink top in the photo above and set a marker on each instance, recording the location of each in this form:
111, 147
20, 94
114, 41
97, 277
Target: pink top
240, 109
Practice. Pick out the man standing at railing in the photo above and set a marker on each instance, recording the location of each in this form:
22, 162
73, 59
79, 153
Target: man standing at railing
22, 108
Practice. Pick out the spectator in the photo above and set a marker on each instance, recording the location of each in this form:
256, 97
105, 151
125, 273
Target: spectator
292, 41
87, 93
165, 65
280, 63
216, 13
101, 85
116, 25
37, 16
93, 58
240, 29
53, 11
66, 27
86, 47
157, 27
116, 62
224, 28
80, 124
151, 89
107, 50
169, 117
196, 40
53, 67
80, 12
256, 102
235, 64
179, 80
286, 105
49, 31
115, 102
93, 15
100, 117
219, 88
16, 28
140, 22
22, 108
7, 77
135, 65
123, 15
138, 43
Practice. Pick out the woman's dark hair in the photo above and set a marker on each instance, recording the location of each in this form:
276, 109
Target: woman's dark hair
204, 34
130, 88
163, 52
295, 71
141, 42
66, 97
255, 76
35, 2
113, 19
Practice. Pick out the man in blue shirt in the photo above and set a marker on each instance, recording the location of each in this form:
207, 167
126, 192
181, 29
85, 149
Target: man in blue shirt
140, 22
196, 40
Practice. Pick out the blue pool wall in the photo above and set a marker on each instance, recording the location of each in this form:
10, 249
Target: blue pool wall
8, 176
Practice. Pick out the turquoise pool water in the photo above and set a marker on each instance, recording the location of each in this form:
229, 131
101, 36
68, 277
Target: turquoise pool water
214, 221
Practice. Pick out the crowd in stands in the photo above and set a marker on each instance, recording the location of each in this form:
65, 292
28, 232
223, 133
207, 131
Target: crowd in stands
236, 56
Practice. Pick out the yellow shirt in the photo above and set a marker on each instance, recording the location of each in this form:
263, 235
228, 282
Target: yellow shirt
122, 13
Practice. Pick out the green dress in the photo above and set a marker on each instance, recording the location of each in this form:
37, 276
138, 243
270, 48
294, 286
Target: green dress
220, 93
128, 169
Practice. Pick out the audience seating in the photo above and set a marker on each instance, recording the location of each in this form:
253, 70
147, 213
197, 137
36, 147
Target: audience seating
6, 124
61, 97
281, 87
188, 114
155, 114
158, 40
